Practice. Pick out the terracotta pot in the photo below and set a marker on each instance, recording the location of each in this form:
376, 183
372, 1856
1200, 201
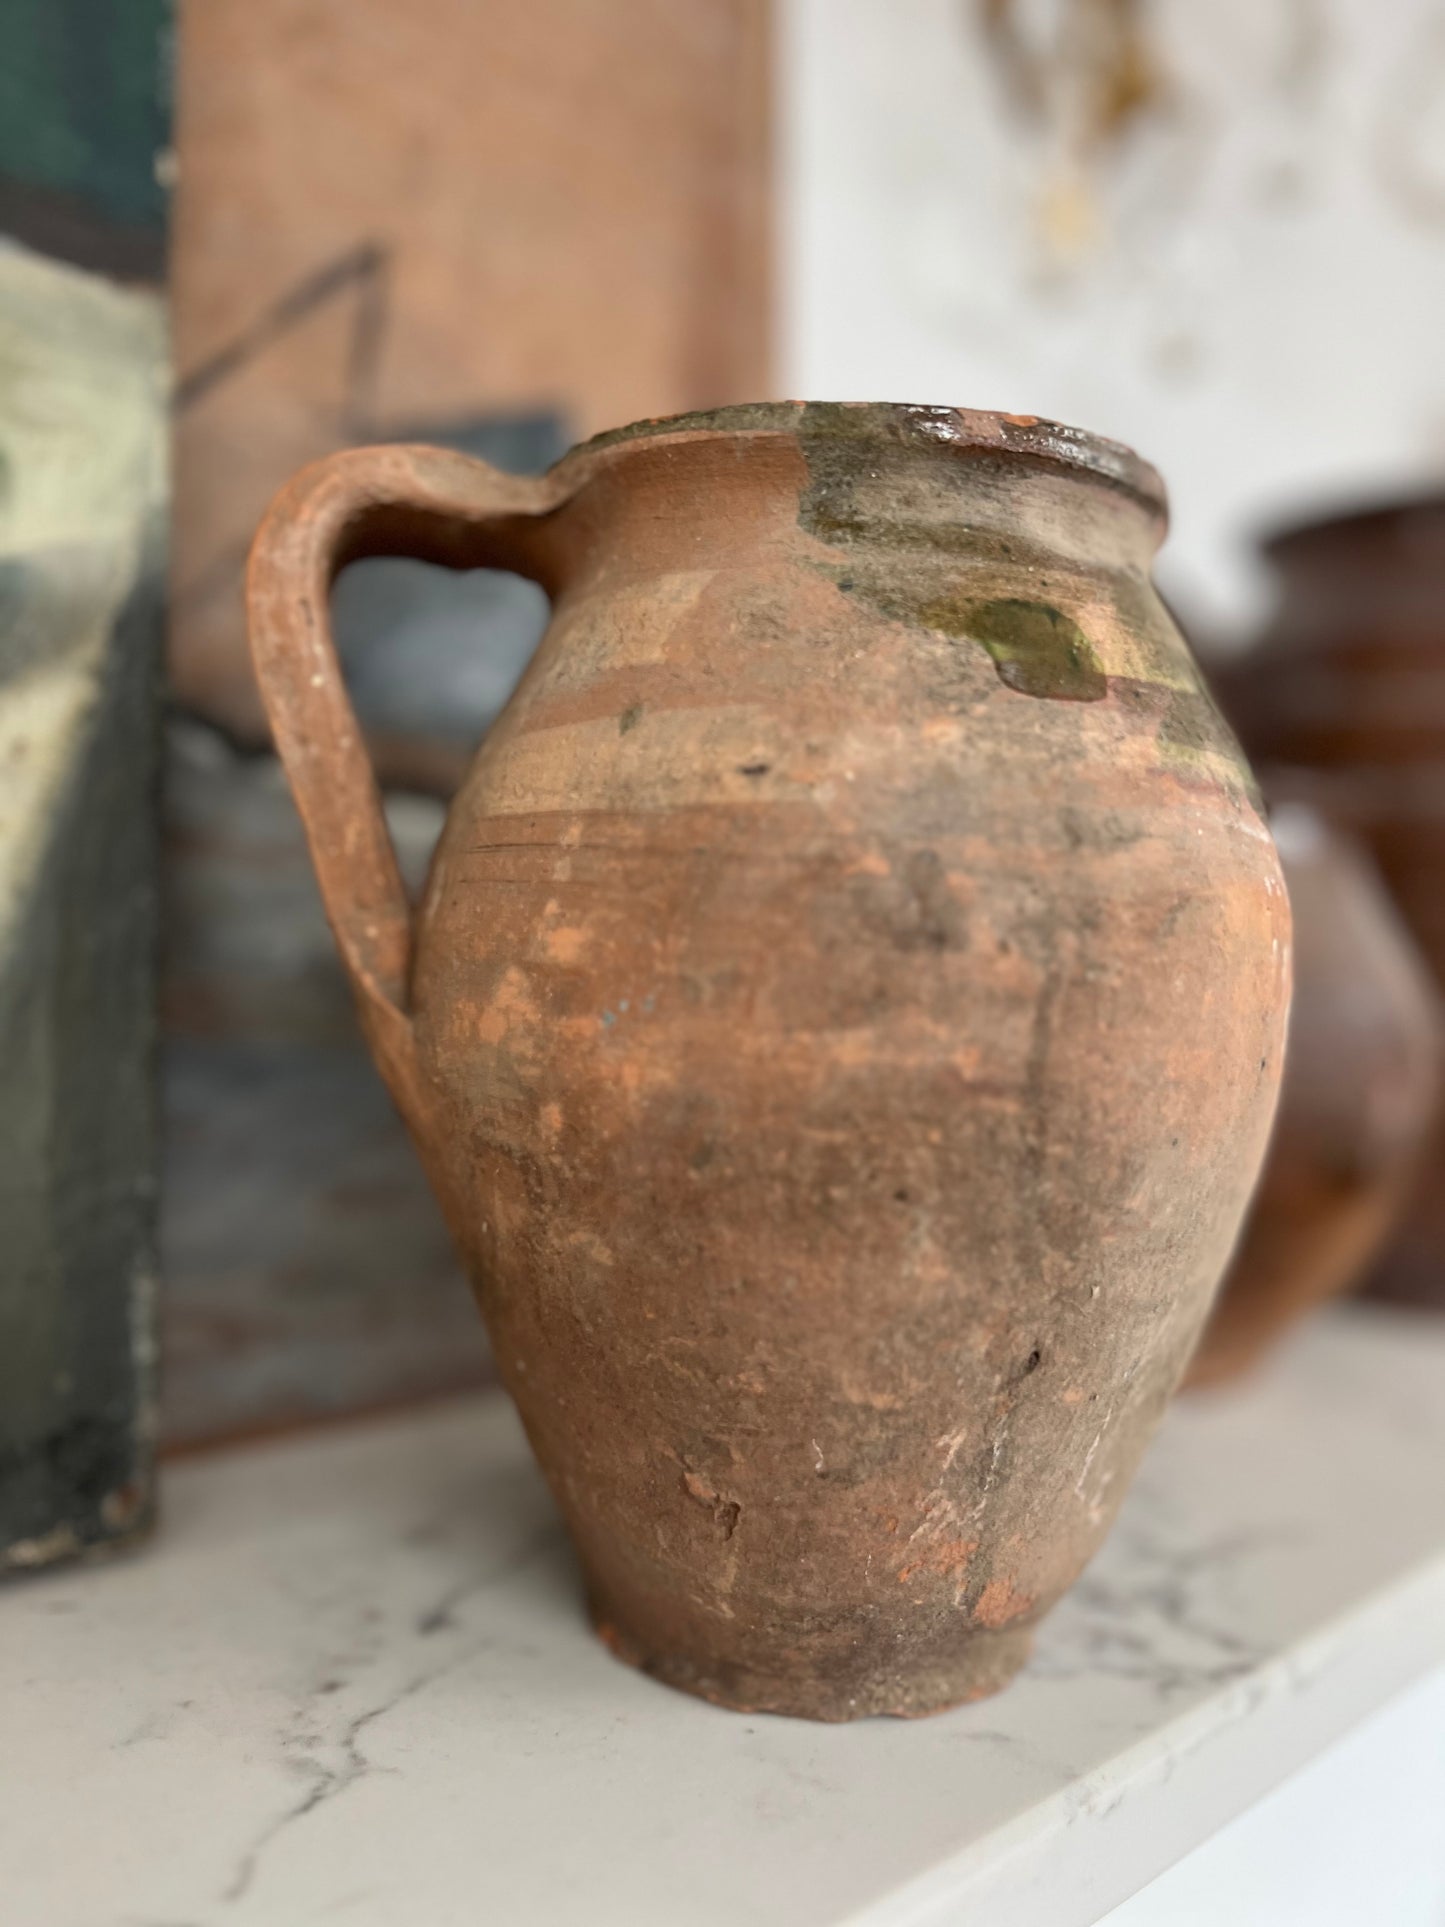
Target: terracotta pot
843, 1019
1360, 1097
1343, 699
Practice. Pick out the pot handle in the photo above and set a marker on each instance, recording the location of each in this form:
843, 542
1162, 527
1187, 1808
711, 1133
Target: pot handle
433, 505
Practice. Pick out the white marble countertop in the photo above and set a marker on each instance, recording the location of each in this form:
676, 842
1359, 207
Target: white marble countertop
352, 1682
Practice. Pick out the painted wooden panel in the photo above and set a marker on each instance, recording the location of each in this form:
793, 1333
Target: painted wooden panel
399, 215
84, 130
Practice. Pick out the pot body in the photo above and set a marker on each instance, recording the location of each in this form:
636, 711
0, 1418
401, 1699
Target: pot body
845, 1019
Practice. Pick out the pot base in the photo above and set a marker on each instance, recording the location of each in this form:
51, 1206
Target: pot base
980, 1664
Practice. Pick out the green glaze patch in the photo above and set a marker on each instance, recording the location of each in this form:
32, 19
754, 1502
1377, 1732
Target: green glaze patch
1036, 649
912, 548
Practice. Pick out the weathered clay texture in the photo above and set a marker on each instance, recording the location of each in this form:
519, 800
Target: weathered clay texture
842, 1022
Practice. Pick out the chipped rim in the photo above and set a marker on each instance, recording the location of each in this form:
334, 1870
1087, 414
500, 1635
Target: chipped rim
923, 425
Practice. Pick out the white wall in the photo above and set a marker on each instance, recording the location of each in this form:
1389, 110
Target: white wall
1247, 282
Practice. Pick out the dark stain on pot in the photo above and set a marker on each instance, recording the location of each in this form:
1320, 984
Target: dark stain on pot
1100, 830
914, 906
1192, 729
842, 501
1190, 720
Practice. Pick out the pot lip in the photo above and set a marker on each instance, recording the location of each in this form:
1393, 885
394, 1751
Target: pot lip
1030, 438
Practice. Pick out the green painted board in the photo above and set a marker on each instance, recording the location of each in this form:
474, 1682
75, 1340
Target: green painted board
85, 111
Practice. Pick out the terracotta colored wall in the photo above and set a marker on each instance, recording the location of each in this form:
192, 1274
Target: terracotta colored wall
391, 212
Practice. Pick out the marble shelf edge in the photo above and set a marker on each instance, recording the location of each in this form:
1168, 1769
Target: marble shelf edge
1151, 1805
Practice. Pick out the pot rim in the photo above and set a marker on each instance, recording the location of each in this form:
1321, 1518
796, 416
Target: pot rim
1402, 517
1028, 438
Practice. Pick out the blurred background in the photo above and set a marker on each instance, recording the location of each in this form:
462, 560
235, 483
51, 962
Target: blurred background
254, 231
1216, 233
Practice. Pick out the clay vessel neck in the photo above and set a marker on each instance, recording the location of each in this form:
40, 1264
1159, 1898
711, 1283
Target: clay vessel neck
692, 491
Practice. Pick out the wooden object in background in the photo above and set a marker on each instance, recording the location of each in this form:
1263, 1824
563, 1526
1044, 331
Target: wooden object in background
393, 214
845, 1145
83, 389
